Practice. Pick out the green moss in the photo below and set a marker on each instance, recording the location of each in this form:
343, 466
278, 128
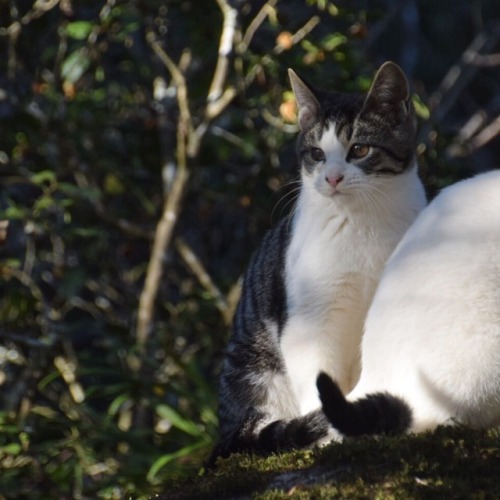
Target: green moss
452, 462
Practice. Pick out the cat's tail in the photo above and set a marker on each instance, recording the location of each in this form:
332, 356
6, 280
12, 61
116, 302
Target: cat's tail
278, 436
378, 413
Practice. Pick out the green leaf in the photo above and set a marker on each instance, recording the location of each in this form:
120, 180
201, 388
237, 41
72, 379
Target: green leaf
11, 449
421, 109
331, 42
117, 403
177, 420
90, 193
43, 203
113, 185
45, 176
165, 459
79, 30
14, 212
75, 65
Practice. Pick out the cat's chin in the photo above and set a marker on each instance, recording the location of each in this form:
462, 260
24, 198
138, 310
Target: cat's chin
333, 194
329, 191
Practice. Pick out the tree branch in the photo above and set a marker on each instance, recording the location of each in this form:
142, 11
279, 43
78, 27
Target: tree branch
178, 79
225, 48
195, 265
457, 78
188, 145
299, 35
163, 236
265, 11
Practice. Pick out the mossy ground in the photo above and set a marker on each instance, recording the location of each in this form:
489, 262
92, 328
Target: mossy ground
451, 462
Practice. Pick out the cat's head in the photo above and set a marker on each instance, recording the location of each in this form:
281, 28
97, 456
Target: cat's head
346, 140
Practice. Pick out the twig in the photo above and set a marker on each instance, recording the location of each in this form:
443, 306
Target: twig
215, 108
457, 77
178, 79
171, 207
300, 34
487, 60
217, 99
127, 227
232, 298
265, 11
163, 235
188, 146
195, 265
4, 226
486, 135
39, 9
225, 48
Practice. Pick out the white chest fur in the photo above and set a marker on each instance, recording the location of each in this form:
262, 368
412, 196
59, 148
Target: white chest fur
334, 261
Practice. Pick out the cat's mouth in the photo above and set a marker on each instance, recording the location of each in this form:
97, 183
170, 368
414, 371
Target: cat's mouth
330, 191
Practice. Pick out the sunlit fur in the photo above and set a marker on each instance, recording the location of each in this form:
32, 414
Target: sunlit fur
432, 334
341, 240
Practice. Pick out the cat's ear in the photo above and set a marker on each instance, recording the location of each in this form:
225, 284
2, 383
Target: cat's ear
307, 104
389, 89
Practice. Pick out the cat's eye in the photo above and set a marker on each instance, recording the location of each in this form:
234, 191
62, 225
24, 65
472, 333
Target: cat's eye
359, 151
317, 154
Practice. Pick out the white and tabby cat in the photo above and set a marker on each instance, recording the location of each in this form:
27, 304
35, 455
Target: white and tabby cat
431, 347
308, 287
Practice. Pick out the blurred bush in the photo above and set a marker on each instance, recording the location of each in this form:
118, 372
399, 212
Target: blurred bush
89, 153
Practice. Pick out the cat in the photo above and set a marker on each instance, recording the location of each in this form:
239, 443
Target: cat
308, 286
431, 346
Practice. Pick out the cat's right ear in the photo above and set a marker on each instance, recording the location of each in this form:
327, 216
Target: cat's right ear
389, 90
309, 109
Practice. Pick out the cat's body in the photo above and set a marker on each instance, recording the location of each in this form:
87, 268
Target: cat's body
432, 336
309, 285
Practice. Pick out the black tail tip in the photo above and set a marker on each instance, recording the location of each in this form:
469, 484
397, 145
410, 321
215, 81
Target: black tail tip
329, 391
378, 413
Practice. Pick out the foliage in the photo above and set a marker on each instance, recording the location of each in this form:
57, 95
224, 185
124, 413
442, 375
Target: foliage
93, 130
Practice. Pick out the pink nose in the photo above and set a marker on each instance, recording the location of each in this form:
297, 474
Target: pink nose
334, 180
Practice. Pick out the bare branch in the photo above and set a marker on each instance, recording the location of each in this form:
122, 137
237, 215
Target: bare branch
232, 298
457, 77
474, 135
195, 265
225, 48
215, 108
486, 135
265, 11
39, 9
4, 226
460, 74
188, 145
163, 235
124, 225
178, 79
300, 34
487, 60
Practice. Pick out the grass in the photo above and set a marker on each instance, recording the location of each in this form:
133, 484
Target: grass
451, 462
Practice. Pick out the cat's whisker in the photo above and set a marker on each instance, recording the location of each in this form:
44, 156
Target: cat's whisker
290, 197
380, 200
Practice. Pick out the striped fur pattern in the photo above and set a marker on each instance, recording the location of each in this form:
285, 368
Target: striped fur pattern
308, 286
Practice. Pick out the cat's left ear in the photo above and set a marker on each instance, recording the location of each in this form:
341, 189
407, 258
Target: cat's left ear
308, 106
389, 89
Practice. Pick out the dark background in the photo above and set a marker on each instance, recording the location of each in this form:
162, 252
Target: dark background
89, 151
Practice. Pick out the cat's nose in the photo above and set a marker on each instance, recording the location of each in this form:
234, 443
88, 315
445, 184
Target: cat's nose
334, 180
